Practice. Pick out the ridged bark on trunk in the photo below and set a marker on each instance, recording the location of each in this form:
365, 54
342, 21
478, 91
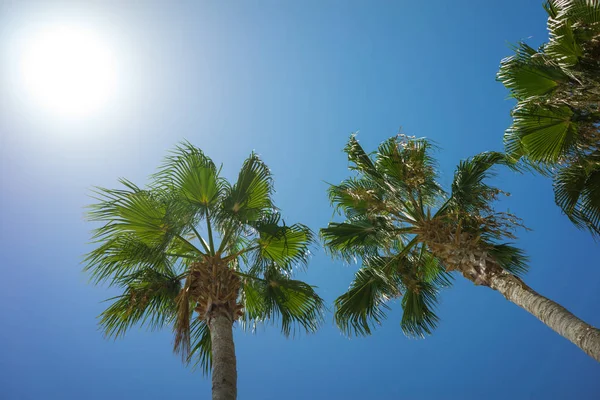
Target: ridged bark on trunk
555, 316
478, 266
224, 373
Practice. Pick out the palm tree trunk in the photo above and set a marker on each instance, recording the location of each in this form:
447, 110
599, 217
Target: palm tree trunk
555, 316
224, 374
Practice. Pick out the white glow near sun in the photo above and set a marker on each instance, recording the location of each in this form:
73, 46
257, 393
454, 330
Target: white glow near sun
68, 71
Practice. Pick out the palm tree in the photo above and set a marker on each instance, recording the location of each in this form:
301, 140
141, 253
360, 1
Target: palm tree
194, 252
555, 120
410, 235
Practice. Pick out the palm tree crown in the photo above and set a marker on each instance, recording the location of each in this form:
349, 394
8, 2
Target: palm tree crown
410, 234
192, 246
555, 121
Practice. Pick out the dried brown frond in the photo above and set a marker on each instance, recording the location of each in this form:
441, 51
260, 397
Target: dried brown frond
182, 322
211, 287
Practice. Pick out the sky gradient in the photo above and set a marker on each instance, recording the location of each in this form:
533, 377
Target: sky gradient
290, 80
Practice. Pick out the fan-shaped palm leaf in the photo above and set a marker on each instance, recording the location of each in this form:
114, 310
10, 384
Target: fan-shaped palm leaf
577, 192
556, 119
149, 298
276, 297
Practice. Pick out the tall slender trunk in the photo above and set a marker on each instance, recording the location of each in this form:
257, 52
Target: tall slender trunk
480, 268
224, 373
555, 316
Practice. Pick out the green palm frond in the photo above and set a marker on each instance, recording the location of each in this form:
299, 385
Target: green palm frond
510, 258
421, 276
192, 174
415, 275
250, 197
359, 160
430, 270
124, 255
149, 298
361, 236
239, 246
364, 306
528, 73
580, 12
282, 244
129, 210
154, 217
201, 346
358, 196
544, 134
406, 164
470, 192
401, 167
418, 316
577, 192
556, 119
277, 298
563, 45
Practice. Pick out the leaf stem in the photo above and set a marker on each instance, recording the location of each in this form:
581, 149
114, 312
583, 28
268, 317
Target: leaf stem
210, 234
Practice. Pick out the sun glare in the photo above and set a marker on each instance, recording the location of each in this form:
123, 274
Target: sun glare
68, 71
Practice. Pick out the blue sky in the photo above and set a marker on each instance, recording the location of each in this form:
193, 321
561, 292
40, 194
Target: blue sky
290, 80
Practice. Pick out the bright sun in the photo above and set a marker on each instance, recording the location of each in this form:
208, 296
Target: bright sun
68, 71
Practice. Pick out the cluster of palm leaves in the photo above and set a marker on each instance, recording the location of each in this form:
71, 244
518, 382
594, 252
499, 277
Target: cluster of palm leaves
555, 121
199, 254
410, 234
160, 245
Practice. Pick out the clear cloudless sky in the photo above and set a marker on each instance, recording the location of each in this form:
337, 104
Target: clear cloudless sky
291, 80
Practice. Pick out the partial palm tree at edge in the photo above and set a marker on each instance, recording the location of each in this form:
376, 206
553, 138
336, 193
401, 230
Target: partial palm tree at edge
557, 115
